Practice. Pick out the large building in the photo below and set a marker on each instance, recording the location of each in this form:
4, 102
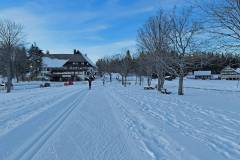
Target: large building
64, 67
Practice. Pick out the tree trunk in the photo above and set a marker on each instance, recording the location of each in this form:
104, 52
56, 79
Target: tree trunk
9, 84
140, 80
162, 76
136, 80
162, 82
122, 80
180, 86
149, 81
9, 77
159, 83
17, 77
110, 75
23, 77
181, 76
125, 81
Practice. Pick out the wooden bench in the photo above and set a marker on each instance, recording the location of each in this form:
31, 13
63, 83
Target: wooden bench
164, 91
148, 88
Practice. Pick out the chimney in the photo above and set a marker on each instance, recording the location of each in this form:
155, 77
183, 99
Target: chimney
74, 51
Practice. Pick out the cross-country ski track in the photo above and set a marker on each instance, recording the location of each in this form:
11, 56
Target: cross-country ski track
113, 122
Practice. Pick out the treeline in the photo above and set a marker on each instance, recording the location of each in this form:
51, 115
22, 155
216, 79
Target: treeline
17, 61
214, 62
138, 64
172, 43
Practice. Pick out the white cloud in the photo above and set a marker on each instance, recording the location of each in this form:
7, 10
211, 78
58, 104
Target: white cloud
36, 27
40, 27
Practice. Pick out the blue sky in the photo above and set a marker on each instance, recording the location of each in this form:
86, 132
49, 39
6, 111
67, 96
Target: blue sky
96, 27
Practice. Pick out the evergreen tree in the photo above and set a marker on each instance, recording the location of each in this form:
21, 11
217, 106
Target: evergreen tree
21, 64
35, 58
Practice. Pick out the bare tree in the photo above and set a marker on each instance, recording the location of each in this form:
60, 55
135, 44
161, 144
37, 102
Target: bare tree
100, 66
3, 71
126, 66
154, 38
222, 21
149, 68
140, 70
123, 65
108, 67
135, 68
105, 66
138, 67
183, 31
11, 36
117, 65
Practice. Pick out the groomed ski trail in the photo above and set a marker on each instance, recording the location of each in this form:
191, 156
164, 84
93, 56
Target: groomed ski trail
34, 145
92, 132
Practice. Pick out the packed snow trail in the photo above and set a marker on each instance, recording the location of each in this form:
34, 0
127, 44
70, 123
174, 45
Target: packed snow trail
77, 124
92, 132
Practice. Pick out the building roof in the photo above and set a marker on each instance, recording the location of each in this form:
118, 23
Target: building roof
58, 56
77, 58
55, 60
237, 70
202, 73
230, 70
89, 61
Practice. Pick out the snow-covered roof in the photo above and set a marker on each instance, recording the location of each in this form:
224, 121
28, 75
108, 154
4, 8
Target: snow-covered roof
202, 73
237, 70
53, 62
89, 61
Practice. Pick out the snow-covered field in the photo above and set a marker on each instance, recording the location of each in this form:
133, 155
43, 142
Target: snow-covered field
112, 122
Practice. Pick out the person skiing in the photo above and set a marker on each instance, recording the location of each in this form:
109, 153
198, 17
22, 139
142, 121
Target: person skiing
90, 82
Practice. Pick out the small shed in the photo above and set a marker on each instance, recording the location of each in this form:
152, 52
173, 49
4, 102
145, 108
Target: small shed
202, 74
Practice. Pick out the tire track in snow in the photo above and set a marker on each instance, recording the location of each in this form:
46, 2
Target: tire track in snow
33, 146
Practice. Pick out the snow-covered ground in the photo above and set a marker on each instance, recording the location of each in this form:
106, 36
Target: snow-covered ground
112, 122
221, 85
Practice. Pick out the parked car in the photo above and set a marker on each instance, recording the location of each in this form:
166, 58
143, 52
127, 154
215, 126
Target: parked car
68, 83
2, 86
